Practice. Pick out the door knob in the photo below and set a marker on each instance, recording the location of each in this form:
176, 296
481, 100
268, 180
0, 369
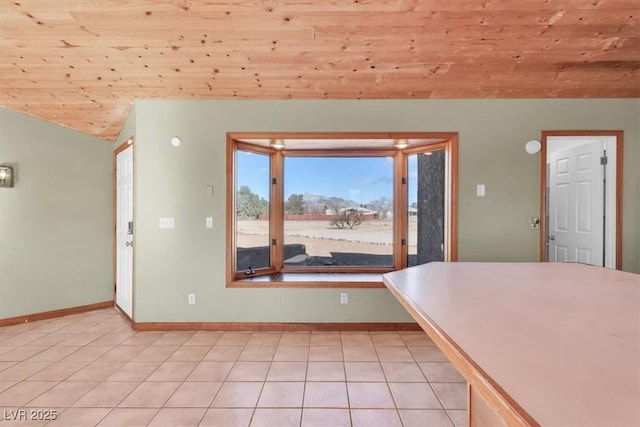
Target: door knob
551, 237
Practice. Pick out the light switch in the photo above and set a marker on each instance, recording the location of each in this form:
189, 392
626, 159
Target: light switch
480, 191
167, 223
209, 222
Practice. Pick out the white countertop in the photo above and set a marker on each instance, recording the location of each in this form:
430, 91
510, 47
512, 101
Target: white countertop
562, 340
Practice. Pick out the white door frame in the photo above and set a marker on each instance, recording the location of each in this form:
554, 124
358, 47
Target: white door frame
613, 241
128, 143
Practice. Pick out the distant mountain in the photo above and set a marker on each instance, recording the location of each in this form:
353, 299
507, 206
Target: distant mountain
332, 202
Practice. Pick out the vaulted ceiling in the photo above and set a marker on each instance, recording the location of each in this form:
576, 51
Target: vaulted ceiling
81, 63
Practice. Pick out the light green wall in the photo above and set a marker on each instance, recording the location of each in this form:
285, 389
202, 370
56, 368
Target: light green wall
56, 244
170, 182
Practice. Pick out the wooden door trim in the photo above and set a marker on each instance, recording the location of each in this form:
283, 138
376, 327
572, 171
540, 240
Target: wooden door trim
619, 135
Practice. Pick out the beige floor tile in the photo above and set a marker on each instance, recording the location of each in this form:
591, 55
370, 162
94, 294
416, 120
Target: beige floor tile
55, 353
287, 371
238, 395
459, 417
257, 353
370, 395
249, 371
174, 417
414, 396
441, 372
282, 395
63, 394
30, 338
325, 371
227, 417
6, 364
122, 353
23, 370
96, 371
4, 385
452, 395
173, 338
22, 393
88, 353
356, 339
326, 338
143, 338
234, 338
150, 395
425, 417
295, 338
58, 371
325, 353
375, 417
223, 353
83, 338
194, 394
427, 353
291, 353
394, 354
265, 338
204, 338
386, 339
268, 417
314, 417
403, 372
416, 338
80, 417
172, 371
49, 339
106, 394
111, 339
134, 371
155, 353
190, 353
24, 352
326, 395
129, 417
210, 371
364, 372
360, 353
7, 348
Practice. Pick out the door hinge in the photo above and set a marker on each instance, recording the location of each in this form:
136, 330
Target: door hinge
403, 242
404, 180
603, 160
273, 181
115, 287
273, 242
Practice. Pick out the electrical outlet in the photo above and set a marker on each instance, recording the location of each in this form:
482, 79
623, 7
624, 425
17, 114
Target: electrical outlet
344, 298
192, 298
167, 223
209, 222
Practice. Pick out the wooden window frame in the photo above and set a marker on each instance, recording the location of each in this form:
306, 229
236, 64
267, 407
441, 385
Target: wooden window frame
278, 275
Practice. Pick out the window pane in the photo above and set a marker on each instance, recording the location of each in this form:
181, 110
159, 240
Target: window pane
252, 211
338, 211
426, 194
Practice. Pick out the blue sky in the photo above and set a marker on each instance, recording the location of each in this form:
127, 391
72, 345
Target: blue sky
361, 179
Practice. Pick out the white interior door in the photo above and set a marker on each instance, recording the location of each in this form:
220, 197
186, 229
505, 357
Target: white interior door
576, 198
124, 230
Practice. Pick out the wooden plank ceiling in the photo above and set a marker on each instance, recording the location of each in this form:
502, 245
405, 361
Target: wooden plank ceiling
81, 63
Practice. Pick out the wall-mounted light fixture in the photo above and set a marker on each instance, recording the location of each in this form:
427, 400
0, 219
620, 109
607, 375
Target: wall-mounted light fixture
6, 176
401, 144
176, 141
278, 144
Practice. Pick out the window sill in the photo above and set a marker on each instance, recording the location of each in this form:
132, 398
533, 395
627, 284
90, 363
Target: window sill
311, 280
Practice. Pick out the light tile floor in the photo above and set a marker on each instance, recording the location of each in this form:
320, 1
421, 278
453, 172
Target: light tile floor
92, 369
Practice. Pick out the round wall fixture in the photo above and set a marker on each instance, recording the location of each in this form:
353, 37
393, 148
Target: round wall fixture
176, 141
533, 146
